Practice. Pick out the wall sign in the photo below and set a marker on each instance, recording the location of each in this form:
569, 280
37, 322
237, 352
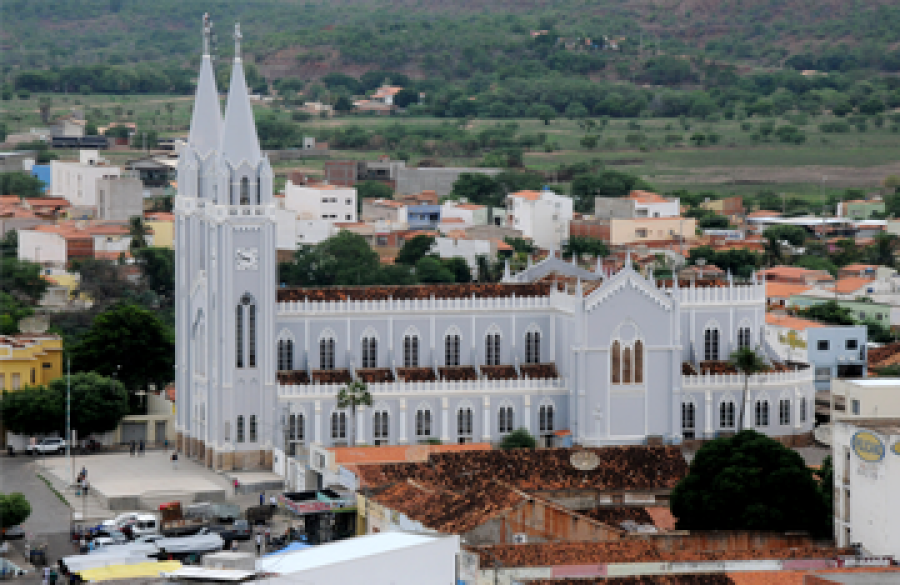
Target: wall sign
895, 449
868, 447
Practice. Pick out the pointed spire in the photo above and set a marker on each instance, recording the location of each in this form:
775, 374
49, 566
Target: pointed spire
507, 275
730, 279
530, 261
579, 289
206, 121
599, 268
628, 265
239, 140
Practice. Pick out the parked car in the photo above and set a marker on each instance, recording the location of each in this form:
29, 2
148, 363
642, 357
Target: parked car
237, 530
47, 446
12, 533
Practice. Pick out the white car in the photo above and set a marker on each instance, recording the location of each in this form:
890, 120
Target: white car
47, 446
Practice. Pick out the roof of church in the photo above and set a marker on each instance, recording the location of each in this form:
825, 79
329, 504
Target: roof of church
426, 291
239, 140
206, 122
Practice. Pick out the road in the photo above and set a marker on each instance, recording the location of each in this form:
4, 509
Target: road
49, 520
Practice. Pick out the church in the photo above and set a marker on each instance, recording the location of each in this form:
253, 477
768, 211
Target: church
572, 355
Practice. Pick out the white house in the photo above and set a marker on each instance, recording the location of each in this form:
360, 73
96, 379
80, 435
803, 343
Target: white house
542, 216
292, 231
866, 455
77, 181
326, 202
469, 250
470, 213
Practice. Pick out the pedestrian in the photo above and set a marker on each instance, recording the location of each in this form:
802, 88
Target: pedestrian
273, 501
174, 460
46, 579
258, 544
262, 498
83, 545
141, 448
234, 545
53, 576
166, 444
84, 472
83, 487
133, 445
268, 537
236, 485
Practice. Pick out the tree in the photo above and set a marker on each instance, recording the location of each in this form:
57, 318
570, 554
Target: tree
97, 406
14, 509
343, 104
129, 343
101, 280
749, 482
430, 270
582, 245
138, 232
12, 312
459, 268
20, 183
792, 234
589, 141
586, 187
829, 312
351, 396
158, 271
406, 97
479, 188
343, 259
372, 190
9, 244
747, 362
22, 280
882, 251
518, 439
544, 112
414, 249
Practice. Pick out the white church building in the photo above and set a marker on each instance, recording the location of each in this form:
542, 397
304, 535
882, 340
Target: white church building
564, 352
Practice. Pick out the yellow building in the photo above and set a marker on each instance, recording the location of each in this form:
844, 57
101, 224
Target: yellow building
29, 360
163, 228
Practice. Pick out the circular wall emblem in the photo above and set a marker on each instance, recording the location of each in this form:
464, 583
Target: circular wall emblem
868, 446
895, 449
584, 460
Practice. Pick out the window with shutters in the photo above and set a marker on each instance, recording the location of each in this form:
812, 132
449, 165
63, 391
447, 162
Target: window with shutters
423, 423
326, 353
505, 419
369, 352
411, 351
492, 349
451, 350
533, 347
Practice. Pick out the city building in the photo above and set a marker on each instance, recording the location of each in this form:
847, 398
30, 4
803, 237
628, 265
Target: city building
456, 363
866, 456
29, 359
542, 216
636, 204
119, 198
438, 179
77, 181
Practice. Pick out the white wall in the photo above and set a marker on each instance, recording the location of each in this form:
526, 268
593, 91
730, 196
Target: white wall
336, 204
466, 249
42, 247
469, 216
292, 232
876, 396
77, 181
668, 208
546, 220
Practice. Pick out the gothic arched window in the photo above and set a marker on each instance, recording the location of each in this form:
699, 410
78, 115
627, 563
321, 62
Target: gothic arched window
411, 351
285, 355
711, 344
252, 428
616, 362
743, 337
380, 426
638, 362
505, 419
240, 429
545, 418
369, 352
245, 333
688, 419
338, 425
464, 424
423, 423
326, 353
726, 415
451, 350
762, 413
245, 191
492, 349
533, 347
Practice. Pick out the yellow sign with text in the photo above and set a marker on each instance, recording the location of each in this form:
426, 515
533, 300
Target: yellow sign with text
868, 447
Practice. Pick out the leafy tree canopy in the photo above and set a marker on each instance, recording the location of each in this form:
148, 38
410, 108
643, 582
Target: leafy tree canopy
20, 183
430, 270
792, 234
373, 190
414, 249
518, 439
749, 482
22, 280
583, 245
480, 189
830, 312
343, 259
14, 509
603, 184
130, 343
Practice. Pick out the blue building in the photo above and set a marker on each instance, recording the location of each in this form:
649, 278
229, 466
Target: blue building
423, 217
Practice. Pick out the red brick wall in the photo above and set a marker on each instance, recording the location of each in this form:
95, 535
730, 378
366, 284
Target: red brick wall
341, 172
589, 229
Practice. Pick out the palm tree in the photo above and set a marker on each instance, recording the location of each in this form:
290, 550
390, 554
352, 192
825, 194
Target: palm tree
352, 395
138, 232
747, 362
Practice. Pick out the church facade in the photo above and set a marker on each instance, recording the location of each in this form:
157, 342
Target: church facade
568, 354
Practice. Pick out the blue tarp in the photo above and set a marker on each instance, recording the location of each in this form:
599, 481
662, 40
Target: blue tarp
42, 172
293, 547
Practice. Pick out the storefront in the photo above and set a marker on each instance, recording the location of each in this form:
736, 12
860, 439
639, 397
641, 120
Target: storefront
322, 515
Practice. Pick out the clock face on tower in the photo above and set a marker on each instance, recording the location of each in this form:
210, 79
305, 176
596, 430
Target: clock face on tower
246, 258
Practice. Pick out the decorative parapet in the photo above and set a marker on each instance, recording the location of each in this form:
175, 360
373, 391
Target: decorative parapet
307, 307
725, 295
769, 378
440, 387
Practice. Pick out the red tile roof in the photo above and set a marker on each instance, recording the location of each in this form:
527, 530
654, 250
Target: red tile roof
398, 453
784, 289
646, 197
789, 322
851, 284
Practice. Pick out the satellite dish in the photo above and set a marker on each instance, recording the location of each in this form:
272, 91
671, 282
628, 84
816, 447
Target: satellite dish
584, 460
34, 325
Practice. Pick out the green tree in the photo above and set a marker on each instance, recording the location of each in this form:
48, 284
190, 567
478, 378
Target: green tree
351, 396
14, 509
586, 187
883, 250
22, 280
414, 249
158, 271
343, 104
22, 184
459, 268
431, 270
521, 245
748, 363
130, 343
479, 188
518, 439
589, 141
829, 312
343, 259
11, 312
372, 190
9, 244
749, 482
792, 234
138, 231
545, 113
583, 245
406, 97
102, 281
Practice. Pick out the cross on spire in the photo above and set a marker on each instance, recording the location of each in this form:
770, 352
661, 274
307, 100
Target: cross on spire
207, 32
237, 40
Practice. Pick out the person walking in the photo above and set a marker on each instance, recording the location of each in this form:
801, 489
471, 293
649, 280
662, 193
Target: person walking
174, 459
133, 446
268, 537
258, 544
236, 485
46, 578
262, 498
141, 448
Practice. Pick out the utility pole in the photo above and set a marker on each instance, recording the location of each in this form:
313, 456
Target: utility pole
69, 417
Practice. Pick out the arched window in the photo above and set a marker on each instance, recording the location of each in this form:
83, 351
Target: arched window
726, 415
199, 182
245, 333
423, 423
451, 350
464, 424
688, 420
240, 429
338, 425
533, 347
626, 366
638, 362
784, 412
252, 428
292, 426
326, 353
616, 362
545, 418
762, 413
492, 349
743, 337
285, 355
369, 352
380, 427
245, 191
300, 429
711, 345
411, 351
258, 191
803, 409
505, 419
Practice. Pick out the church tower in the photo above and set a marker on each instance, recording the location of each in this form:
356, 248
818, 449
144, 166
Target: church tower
225, 281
